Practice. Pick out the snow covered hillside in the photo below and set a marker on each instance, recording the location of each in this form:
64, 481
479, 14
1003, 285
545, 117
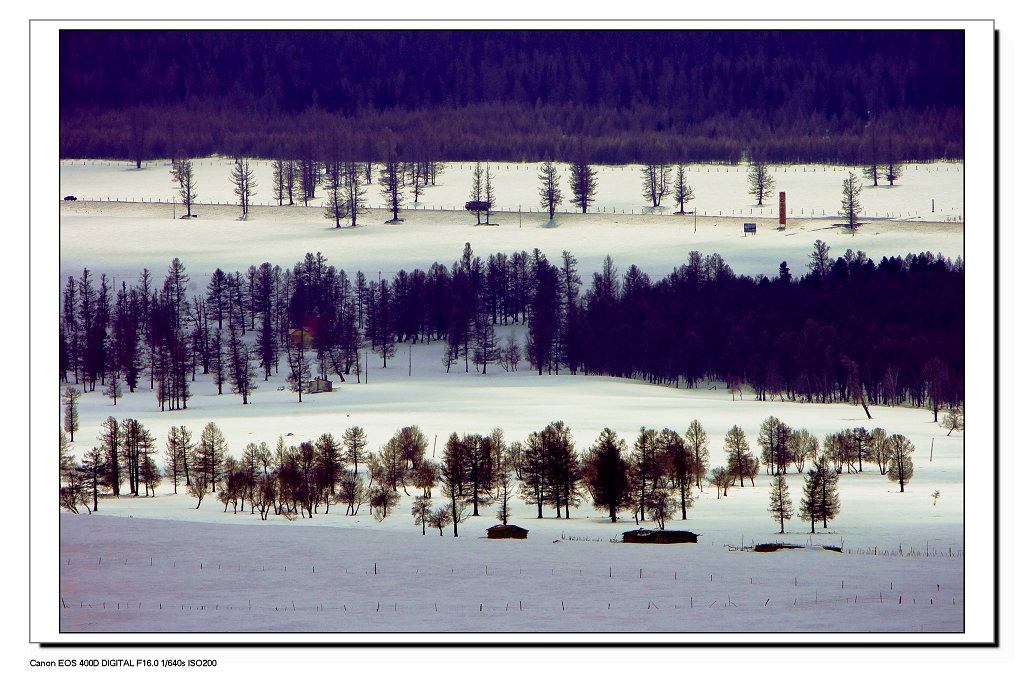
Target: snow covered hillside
875, 518
159, 565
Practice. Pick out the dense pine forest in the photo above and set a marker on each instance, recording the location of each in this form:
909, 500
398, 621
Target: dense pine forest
614, 96
890, 333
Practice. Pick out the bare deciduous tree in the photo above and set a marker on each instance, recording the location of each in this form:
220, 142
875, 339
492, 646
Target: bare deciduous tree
760, 180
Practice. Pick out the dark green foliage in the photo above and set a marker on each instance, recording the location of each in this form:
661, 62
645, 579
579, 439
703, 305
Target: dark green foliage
606, 474
820, 502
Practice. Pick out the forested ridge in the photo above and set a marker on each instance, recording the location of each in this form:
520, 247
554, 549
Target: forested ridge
848, 330
623, 96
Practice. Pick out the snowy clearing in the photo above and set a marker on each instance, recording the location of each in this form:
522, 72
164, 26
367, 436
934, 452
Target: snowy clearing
120, 238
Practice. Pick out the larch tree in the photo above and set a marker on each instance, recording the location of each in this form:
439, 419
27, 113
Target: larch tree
780, 505
760, 181
533, 472
820, 263
655, 182
563, 467
606, 474
550, 194
306, 172
112, 442
893, 165
721, 479
113, 390
679, 463
91, 474
661, 506
476, 191
243, 179
210, 451
453, 478
354, 443
870, 152
67, 460
421, 512
240, 370
70, 397
697, 442
355, 192
486, 348
299, 373
582, 182
936, 375
850, 208
391, 186
901, 467
335, 208
183, 173
218, 361
644, 467
279, 180
736, 450
180, 453
954, 419
682, 192
879, 449
290, 172
479, 470
504, 485
820, 502
440, 518
489, 196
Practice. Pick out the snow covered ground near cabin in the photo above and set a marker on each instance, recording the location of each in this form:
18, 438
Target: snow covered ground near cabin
804, 592
122, 238
105, 558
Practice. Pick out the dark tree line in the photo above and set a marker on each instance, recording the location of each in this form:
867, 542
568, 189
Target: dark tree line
794, 96
848, 330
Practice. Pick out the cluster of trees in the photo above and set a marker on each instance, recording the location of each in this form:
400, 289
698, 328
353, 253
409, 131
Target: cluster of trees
791, 96
848, 330
653, 479
124, 456
342, 179
344, 183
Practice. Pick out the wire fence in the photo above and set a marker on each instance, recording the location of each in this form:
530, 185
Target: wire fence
944, 214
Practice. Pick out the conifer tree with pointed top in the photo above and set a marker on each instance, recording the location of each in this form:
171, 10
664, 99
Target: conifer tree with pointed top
550, 194
760, 180
779, 502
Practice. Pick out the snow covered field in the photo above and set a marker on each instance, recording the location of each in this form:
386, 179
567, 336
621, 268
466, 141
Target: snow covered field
420, 570
159, 565
122, 238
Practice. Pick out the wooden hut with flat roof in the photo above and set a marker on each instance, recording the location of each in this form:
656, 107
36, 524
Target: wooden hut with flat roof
506, 531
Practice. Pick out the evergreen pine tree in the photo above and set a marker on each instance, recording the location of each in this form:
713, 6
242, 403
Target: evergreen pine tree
550, 194
779, 502
606, 474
